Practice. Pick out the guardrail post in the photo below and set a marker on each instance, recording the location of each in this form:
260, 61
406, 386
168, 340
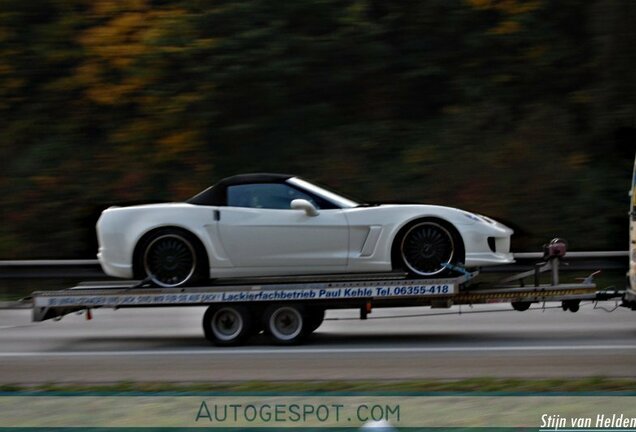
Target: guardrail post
554, 262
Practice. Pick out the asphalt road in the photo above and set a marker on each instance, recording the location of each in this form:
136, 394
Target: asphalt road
166, 344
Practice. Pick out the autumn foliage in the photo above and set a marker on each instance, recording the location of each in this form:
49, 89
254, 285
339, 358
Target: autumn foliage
522, 110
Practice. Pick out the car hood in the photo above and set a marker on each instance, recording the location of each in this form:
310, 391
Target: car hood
407, 212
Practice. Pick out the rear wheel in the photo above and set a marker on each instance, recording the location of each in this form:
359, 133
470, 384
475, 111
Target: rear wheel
430, 248
171, 258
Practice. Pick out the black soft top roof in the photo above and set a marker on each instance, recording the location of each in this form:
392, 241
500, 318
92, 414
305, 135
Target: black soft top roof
217, 195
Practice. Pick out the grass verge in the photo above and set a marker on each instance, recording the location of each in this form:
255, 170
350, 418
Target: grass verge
474, 385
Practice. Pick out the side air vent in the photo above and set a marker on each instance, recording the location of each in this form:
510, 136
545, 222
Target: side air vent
491, 244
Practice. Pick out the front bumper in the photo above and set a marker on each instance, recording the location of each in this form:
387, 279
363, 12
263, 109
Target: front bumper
478, 259
488, 244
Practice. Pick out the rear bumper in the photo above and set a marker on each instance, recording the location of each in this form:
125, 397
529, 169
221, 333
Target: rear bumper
114, 269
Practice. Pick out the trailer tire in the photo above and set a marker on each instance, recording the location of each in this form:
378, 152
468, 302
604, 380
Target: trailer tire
286, 324
227, 325
571, 305
520, 306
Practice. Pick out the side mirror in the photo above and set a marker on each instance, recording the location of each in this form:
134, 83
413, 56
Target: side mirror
302, 204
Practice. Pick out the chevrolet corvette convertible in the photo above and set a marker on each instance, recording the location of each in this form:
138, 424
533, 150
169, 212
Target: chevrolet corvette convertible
277, 225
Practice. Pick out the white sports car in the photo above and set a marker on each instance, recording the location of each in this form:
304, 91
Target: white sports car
275, 225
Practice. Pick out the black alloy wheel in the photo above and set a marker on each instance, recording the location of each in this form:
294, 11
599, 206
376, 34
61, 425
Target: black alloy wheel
170, 260
427, 249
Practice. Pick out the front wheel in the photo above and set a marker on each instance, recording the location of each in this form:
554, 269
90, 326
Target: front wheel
429, 248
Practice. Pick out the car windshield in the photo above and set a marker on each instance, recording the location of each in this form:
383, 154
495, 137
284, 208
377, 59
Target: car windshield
335, 198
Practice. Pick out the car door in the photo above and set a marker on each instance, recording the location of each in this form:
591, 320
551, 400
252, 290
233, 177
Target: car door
259, 229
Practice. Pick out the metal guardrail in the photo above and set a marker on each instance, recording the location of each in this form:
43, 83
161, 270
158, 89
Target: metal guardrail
48, 263
51, 269
573, 261
90, 268
573, 255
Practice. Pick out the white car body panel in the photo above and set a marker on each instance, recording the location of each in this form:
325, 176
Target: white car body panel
242, 241
284, 238
391, 218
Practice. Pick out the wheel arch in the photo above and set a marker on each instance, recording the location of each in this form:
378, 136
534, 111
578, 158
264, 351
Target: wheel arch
143, 237
402, 230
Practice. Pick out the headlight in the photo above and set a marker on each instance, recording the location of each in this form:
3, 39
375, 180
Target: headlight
472, 217
487, 219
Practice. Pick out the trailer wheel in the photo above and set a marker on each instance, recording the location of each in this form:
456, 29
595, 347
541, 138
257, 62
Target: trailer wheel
227, 325
571, 305
286, 324
315, 317
520, 305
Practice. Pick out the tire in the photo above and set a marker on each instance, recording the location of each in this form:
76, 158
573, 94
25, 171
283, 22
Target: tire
571, 305
227, 325
520, 306
428, 246
286, 324
171, 258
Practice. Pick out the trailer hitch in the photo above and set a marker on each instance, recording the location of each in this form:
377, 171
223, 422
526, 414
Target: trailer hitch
553, 252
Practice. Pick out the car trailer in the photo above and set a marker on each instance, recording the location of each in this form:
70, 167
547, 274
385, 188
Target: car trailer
290, 308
